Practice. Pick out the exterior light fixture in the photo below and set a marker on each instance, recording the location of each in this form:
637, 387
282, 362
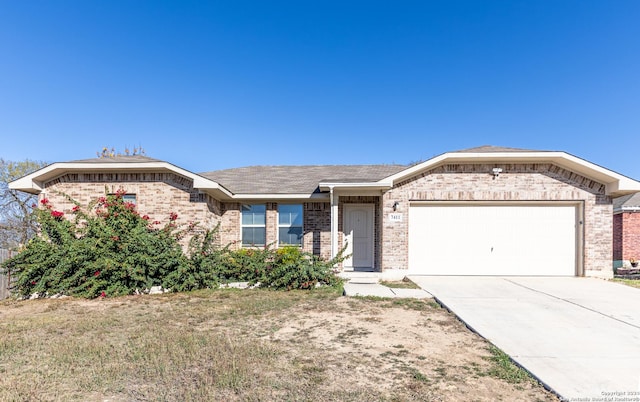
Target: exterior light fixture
496, 172
395, 206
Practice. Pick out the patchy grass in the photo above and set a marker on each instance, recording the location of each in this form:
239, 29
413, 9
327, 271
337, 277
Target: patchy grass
629, 282
244, 345
504, 369
403, 284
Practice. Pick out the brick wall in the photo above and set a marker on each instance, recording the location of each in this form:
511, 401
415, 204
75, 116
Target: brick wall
518, 182
230, 231
317, 228
272, 223
626, 236
617, 237
157, 195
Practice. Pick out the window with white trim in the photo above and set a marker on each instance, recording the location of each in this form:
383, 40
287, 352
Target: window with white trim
290, 224
253, 224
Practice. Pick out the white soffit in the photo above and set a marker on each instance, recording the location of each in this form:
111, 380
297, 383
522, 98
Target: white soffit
34, 182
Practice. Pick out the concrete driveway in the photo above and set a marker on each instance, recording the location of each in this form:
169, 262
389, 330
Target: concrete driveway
578, 336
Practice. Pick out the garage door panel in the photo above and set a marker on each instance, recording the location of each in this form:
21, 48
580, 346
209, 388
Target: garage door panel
492, 239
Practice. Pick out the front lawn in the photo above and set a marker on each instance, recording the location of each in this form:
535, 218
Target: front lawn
254, 345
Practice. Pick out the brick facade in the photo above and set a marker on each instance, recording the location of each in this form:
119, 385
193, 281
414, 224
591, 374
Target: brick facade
518, 182
157, 195
626, 237
230, 229
317, 228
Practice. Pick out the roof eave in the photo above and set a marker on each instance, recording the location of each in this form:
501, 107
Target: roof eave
26, 185
616, 184
620, 210
380, 185
34, 183
280, 196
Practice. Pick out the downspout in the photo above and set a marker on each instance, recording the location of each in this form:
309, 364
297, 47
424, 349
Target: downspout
334, 222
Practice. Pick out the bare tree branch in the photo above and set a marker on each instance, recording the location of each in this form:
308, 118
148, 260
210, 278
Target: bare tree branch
16, 213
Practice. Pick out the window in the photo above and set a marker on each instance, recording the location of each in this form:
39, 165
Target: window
290, 224
129, 198
253, 225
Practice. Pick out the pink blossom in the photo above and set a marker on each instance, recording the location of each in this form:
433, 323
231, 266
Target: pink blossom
57, 214
173, 216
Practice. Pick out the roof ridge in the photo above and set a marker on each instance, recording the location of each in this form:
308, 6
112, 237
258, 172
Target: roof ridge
117, 158
497, 148
311, 166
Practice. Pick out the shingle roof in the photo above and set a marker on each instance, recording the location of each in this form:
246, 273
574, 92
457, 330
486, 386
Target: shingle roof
118, 159
630, 201
296, 179
492, 148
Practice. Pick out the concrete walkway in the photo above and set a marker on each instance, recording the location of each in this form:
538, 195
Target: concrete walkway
375, 289
578, 336
368, 284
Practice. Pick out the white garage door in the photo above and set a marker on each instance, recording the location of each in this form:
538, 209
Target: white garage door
464, 239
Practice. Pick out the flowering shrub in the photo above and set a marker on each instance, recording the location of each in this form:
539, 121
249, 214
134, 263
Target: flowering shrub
105, 250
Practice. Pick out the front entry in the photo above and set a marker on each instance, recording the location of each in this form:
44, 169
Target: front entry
358, 235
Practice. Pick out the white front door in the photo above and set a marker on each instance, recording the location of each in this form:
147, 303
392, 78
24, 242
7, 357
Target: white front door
358, 235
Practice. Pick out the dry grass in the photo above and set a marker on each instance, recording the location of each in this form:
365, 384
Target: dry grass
402, 284
242, 345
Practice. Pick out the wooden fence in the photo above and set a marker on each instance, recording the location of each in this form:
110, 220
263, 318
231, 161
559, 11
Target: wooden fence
5, 279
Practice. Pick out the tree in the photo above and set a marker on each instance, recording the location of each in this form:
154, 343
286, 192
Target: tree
112, 153
17, 222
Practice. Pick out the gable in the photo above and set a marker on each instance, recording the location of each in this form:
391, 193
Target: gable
614, 184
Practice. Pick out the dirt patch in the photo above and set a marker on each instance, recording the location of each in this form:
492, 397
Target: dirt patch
424, 349
247, 345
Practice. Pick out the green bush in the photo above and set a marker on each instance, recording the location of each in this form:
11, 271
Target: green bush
202, 269
292, 268
246, 264
284, 268
106, 250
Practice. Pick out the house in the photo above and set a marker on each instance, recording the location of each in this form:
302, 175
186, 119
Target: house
626, 229
480, 211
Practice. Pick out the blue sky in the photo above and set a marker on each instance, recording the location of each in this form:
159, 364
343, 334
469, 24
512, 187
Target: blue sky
218, 84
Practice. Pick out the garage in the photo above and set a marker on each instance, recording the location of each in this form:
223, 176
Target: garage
462, 238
